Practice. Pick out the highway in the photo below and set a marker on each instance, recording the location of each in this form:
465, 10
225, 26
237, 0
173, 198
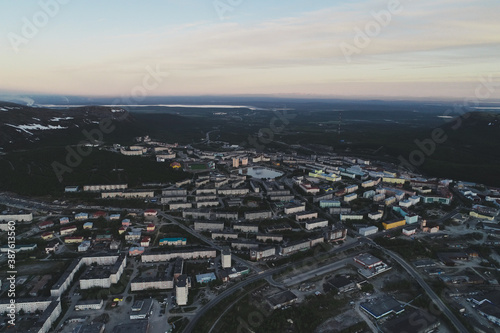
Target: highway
434, 297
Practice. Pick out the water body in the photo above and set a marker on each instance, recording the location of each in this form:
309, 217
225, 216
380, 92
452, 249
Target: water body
261, 173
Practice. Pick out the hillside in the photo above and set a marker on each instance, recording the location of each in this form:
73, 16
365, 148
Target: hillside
22, 126
470, 151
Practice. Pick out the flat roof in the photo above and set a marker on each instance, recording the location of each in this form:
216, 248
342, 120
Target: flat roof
136, 326
367, 259
382, 306
406, 322
89, 301
340, 282
281, 297
182, 281
202, 277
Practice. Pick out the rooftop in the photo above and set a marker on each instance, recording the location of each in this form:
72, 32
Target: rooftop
137, 326
406, 323
382, 306
368, 259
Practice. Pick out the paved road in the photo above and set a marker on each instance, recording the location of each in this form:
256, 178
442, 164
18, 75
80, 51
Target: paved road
189, 328
208, 241
315, 272
434, 297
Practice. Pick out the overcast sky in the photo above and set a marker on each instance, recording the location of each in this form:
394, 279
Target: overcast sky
424, 48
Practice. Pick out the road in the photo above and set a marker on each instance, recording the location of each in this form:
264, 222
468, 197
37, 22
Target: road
228, 292
189, 328
434, 297
208, 241
315, 272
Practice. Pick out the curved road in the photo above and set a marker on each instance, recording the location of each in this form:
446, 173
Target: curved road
261, 275
434, 297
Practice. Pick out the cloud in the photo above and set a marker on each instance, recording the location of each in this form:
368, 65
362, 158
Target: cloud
426, 41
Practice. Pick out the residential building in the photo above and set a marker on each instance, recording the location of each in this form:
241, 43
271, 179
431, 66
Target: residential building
329, 203
316, 223
182, 290
393, 224
366, 231
177, 241
306, 216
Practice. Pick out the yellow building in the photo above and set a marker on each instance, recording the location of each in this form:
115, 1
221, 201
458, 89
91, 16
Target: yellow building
393, 180
393, 224
47, 235
72, 240
481, 216
175, 165
326, 176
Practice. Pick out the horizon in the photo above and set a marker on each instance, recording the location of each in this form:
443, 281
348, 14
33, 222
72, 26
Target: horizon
224, 101
366, 49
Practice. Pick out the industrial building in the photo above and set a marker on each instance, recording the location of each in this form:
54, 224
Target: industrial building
381, 307
92, 304
141, 309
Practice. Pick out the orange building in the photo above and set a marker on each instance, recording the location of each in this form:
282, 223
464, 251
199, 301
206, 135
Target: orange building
393, 224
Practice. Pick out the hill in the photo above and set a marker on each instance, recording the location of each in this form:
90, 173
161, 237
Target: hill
22, 126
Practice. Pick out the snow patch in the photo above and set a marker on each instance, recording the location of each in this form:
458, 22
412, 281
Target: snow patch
61, 118
36, 127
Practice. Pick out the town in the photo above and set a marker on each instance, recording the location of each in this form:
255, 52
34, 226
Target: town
355, 244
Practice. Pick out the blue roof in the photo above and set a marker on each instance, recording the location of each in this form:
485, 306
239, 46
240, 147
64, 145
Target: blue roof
172, 239
207, 277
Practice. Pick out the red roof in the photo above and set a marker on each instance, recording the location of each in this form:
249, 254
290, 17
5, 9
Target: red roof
100, 213
46, 223
48, 233
150, 211
145, 239
68, 228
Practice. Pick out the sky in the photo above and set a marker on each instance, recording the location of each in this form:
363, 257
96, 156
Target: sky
357, 48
